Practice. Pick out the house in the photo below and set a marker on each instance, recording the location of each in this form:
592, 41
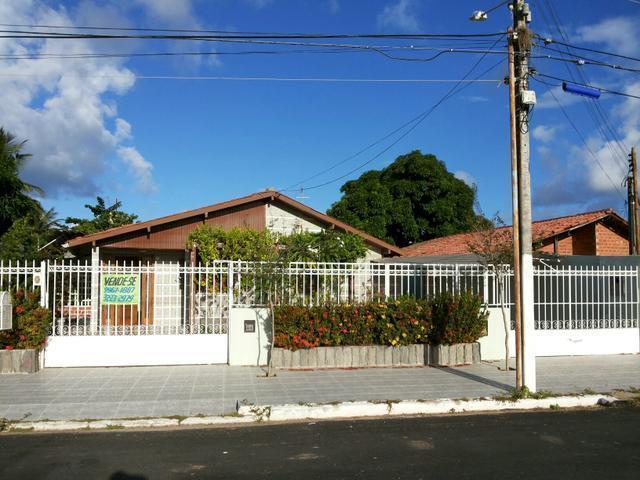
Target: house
164, 239
601, 233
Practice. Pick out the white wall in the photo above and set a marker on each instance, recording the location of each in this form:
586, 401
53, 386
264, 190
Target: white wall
492, 346
249, 348
550, 343
284, 222
130, 350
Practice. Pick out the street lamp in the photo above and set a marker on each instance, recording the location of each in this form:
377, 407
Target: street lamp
482, 15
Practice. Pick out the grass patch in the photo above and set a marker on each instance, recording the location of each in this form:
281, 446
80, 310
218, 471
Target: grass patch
112, 426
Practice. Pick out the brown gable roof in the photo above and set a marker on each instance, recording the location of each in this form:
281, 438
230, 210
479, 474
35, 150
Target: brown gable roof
266, 195
541, 231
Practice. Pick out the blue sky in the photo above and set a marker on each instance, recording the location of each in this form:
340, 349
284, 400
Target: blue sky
162, 146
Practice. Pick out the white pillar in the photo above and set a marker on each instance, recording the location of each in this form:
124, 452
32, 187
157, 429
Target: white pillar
528, 325
95, 289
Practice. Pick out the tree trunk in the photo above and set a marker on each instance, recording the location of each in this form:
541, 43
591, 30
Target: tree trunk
270, 372
505, 321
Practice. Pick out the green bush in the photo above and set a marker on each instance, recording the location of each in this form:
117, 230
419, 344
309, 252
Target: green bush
457, 318
444, 319
31, 323
400, 322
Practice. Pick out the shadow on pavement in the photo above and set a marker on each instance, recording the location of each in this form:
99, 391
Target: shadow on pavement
476, 378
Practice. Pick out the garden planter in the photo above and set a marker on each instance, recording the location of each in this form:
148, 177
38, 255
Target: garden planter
351, 357
452, 355
19, 361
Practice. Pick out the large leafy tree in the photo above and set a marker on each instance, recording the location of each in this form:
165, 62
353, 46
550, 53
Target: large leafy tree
414, 199
15, 199
104, 217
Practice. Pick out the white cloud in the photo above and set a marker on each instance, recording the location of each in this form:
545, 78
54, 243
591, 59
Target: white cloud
547, 100
139, 167
544, 133
178, 13
477, 99
466, 177
64, 107
259, 3
618, 34
334, 6
400, 15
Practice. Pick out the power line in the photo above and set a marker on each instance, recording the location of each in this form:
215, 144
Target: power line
601, 89
265, 79
586, 49
336, 48
231, 35
575, 128
593, 108
415, 122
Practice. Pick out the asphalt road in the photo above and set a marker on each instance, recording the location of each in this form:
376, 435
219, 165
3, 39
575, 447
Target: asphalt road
599, 444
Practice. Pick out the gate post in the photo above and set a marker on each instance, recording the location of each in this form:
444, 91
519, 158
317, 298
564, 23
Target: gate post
95, 289
387, 281
44, 293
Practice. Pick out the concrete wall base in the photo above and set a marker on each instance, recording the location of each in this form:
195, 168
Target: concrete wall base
452, 355
351, 357
19, 361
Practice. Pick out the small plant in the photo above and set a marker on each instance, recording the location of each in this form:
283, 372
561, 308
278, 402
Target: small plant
457, 318
31, 323
554, 406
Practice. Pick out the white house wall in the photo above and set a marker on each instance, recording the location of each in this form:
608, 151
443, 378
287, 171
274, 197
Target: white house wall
285, 222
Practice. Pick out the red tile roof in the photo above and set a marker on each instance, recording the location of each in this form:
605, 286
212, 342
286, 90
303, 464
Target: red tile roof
541, 230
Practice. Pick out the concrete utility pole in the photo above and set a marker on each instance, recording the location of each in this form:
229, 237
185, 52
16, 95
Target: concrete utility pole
525, 98
636, 220
514, 205
631, 215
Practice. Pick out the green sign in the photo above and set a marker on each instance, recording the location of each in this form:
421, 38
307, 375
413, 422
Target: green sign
120, 289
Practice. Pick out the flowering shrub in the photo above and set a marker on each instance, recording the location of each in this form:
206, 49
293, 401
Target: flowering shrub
31, 323
400, 322
457, 319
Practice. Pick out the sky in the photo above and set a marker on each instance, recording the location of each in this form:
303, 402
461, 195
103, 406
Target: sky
97, 126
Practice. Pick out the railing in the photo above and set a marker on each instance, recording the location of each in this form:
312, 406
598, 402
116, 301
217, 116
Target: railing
169, 298
257, 284
574, 298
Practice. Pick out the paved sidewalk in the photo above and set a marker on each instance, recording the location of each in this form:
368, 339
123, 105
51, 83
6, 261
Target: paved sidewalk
100, 393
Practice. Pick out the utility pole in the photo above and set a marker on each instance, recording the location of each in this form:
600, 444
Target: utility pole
514, 205
631, 216
636, 220
525, 98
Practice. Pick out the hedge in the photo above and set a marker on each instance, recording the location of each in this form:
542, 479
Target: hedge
31, 323
400, 322
443, 319
457, 318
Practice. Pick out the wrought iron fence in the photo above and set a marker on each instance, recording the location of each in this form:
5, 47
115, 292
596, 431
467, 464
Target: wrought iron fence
169, 298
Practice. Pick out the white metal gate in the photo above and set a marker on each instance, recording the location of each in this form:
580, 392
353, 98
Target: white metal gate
121, 314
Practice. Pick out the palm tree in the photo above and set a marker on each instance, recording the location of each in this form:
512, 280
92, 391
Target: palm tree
15, 201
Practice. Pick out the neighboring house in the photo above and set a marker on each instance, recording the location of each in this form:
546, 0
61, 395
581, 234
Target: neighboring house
165, 239
602, 233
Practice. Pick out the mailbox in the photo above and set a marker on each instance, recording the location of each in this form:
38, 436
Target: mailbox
6, 311
249, 326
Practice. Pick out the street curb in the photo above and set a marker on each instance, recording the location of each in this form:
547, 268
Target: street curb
289, 412
415, 407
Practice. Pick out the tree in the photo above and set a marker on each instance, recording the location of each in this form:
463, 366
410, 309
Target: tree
37, 236
324, 246
103, 218
494, 248
15, 201
414, 199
